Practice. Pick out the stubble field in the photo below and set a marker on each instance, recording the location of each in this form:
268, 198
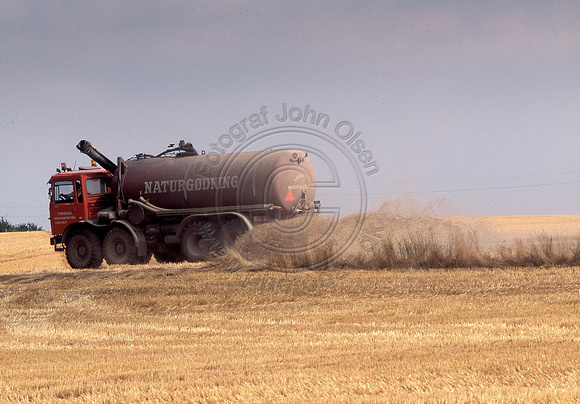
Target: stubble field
195, 333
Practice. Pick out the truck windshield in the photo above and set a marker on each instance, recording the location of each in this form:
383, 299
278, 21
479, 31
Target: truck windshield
64, 192
96, 186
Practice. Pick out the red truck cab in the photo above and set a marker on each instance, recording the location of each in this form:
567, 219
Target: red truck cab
77, 196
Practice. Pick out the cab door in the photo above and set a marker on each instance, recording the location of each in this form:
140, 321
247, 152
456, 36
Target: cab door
64, 204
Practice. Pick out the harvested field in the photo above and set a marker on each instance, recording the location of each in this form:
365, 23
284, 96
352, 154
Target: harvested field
496, 230
29, 252
185, 333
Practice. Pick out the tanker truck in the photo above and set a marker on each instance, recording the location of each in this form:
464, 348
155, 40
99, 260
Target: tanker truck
177, 205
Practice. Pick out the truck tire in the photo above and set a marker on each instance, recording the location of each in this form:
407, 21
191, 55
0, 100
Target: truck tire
83, 250
197, 241
120, 249
228, 234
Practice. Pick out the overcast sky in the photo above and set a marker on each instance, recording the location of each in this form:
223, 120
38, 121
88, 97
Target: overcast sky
475, 102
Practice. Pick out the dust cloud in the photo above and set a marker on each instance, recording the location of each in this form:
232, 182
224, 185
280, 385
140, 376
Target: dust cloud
401, 234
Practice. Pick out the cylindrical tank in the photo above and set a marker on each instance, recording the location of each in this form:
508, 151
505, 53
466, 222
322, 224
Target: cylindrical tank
277, 177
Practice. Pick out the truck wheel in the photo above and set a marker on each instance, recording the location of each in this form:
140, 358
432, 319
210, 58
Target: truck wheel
228, 234
119, 247
197, 241
83, 250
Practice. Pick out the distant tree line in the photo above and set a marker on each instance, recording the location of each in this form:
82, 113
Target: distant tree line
7, 226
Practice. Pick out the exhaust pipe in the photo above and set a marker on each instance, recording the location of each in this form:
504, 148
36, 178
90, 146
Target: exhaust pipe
85, 147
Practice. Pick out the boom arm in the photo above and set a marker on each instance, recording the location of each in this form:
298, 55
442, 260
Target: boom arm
85, 147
